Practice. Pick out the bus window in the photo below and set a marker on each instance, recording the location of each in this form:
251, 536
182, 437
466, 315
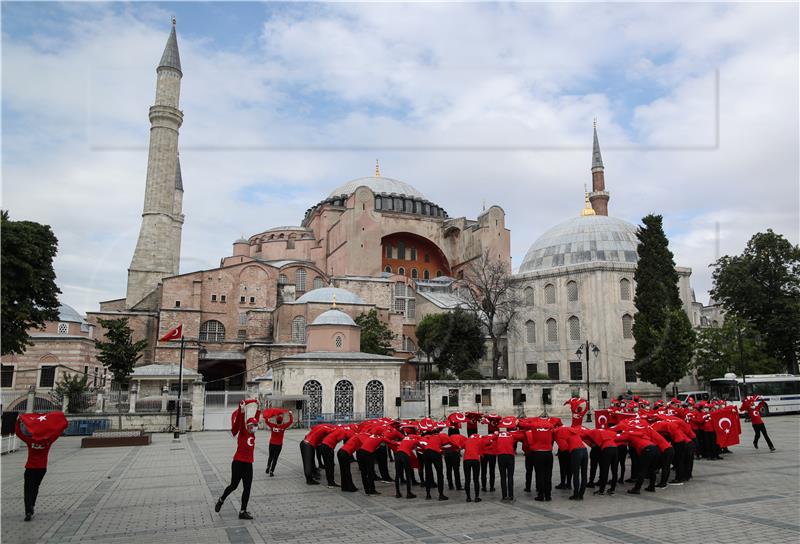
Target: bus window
728, 391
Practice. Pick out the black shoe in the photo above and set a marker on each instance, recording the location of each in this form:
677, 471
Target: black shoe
538, 498
527, 490
459, 488
271, 474
629, 481
450, 487
610, 492
755, 445
218, 506
510, 499
28, 516
676, 481
561, 486
772, 449
599, 492
398, 496
590, 485
312, 482
469, 499
650, 488
478, 499
491, 489
411, 496
444, 498
621, 481
634, 491
548, 498
427, 497
483, 489
574, 497
661, 485
245, 515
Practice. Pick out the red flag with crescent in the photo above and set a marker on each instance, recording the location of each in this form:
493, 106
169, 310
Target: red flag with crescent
601, 419
173, 334
725, 428
44, 426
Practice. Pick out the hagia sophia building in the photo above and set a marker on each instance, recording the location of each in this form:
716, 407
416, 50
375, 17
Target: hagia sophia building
284, 301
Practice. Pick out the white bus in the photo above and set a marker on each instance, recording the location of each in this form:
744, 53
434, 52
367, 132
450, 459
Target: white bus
781, 392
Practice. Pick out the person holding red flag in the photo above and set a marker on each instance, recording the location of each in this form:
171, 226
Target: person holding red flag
242, 465
579, 407
752, 408
277, 429
724, 428
38, 432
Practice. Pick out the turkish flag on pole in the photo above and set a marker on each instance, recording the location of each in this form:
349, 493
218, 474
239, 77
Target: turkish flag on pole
48, 426
601, 419
174, 334
724, 428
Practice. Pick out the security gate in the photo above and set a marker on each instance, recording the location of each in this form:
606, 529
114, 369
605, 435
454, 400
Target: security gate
218, 408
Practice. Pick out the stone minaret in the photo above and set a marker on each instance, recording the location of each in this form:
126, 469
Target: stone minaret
158, 249
599, 196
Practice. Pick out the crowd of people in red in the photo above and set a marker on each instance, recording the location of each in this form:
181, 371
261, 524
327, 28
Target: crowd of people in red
664, 437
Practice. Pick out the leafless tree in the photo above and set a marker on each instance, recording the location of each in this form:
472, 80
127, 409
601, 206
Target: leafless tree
490, 293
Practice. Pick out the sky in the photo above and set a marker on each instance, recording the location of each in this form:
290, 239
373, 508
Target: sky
471, 103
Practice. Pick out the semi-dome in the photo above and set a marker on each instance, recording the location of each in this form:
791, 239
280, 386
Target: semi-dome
326, 295
69, 314
334, 317
592, 238
378, 185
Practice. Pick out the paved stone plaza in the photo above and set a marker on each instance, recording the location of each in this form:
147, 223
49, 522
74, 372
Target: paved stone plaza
166, 492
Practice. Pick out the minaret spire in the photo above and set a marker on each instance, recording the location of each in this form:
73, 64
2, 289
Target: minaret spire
599, 196
377, 168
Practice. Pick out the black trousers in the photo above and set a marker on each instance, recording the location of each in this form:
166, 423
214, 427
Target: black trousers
327, 459
622, 453
382, 457
563, 467
647, 464
488, 463
345, 475
402, 471
240, 472
506, 464
421, 469
366, 465
452, 462
33, 479
760, 429
666, 462
679, 461
528, 470
472, 469
543, 466
307, 454
634, 463
594, 459
691, 447
578, 462
272, 459
608, 461
433, 460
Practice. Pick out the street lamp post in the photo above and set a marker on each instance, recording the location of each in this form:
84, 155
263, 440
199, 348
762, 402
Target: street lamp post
594, 349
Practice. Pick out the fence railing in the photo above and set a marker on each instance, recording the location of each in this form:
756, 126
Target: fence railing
220, 400
333, 418
16, 401
410, 391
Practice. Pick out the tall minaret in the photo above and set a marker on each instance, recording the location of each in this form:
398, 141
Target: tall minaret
599, 196
158, 249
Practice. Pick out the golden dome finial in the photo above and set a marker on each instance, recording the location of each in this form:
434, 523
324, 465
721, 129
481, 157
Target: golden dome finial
377, 169
587, 206
334, 302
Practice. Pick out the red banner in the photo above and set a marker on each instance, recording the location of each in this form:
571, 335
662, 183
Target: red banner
44, 427
601, 420
726, 427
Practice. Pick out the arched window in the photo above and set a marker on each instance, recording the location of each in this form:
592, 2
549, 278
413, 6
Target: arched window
212, 331
704, 321
426, 275
528, 296
374, 399
343, 399
530, 332
313, 406
624, 289
574, 328
378, 203
319, 283
549, 294
627, 326
282, 279
339, 341
388, 269
290, 242
401, 271
438, 273
572, 291
552, 330
299, 330
414, 273
300, 279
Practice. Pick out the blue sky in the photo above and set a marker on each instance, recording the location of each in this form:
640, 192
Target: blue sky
468, 102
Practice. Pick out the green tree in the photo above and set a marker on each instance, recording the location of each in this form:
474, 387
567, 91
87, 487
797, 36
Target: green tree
762, 286
29, 291
119, 352
376, 337
72, 387
452, 340
719, 351
661, 329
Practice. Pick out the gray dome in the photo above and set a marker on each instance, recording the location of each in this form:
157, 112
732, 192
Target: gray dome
69, 314
379, 185
326, 294
334, 317
593, 238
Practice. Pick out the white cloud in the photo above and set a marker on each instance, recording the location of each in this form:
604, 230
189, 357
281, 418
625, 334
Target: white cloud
75, 151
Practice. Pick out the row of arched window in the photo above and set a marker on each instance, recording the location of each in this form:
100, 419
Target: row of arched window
343, 399
529, 298
300, 279
573, 329
426, 274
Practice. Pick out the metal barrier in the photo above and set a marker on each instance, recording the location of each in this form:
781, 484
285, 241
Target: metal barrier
85, 427
333, 418
411, 391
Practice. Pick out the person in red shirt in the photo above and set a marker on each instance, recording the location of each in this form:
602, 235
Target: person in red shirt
345, 458
578, 407
38, 449
560, 435
605, 440
672, 429
308, 447
433, 445
752, 408
366, 460
489, 458
646, 455
666, 454
505, 443
473, 445
452, 460
242, 465
539, 445
277, 428
403, 454
327, 447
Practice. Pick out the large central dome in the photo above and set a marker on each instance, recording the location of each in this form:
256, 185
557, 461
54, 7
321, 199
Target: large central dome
593, 238
379, 185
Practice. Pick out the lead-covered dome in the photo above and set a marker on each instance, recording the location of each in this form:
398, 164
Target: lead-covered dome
379, 185
593, 238
326, 295
334, 317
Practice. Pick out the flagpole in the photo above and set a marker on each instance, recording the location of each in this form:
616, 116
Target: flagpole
180, 391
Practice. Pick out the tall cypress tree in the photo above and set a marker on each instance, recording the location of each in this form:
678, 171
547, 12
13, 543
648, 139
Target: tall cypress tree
660, 352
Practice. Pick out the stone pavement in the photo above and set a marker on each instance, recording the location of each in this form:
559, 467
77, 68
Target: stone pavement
165, 492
